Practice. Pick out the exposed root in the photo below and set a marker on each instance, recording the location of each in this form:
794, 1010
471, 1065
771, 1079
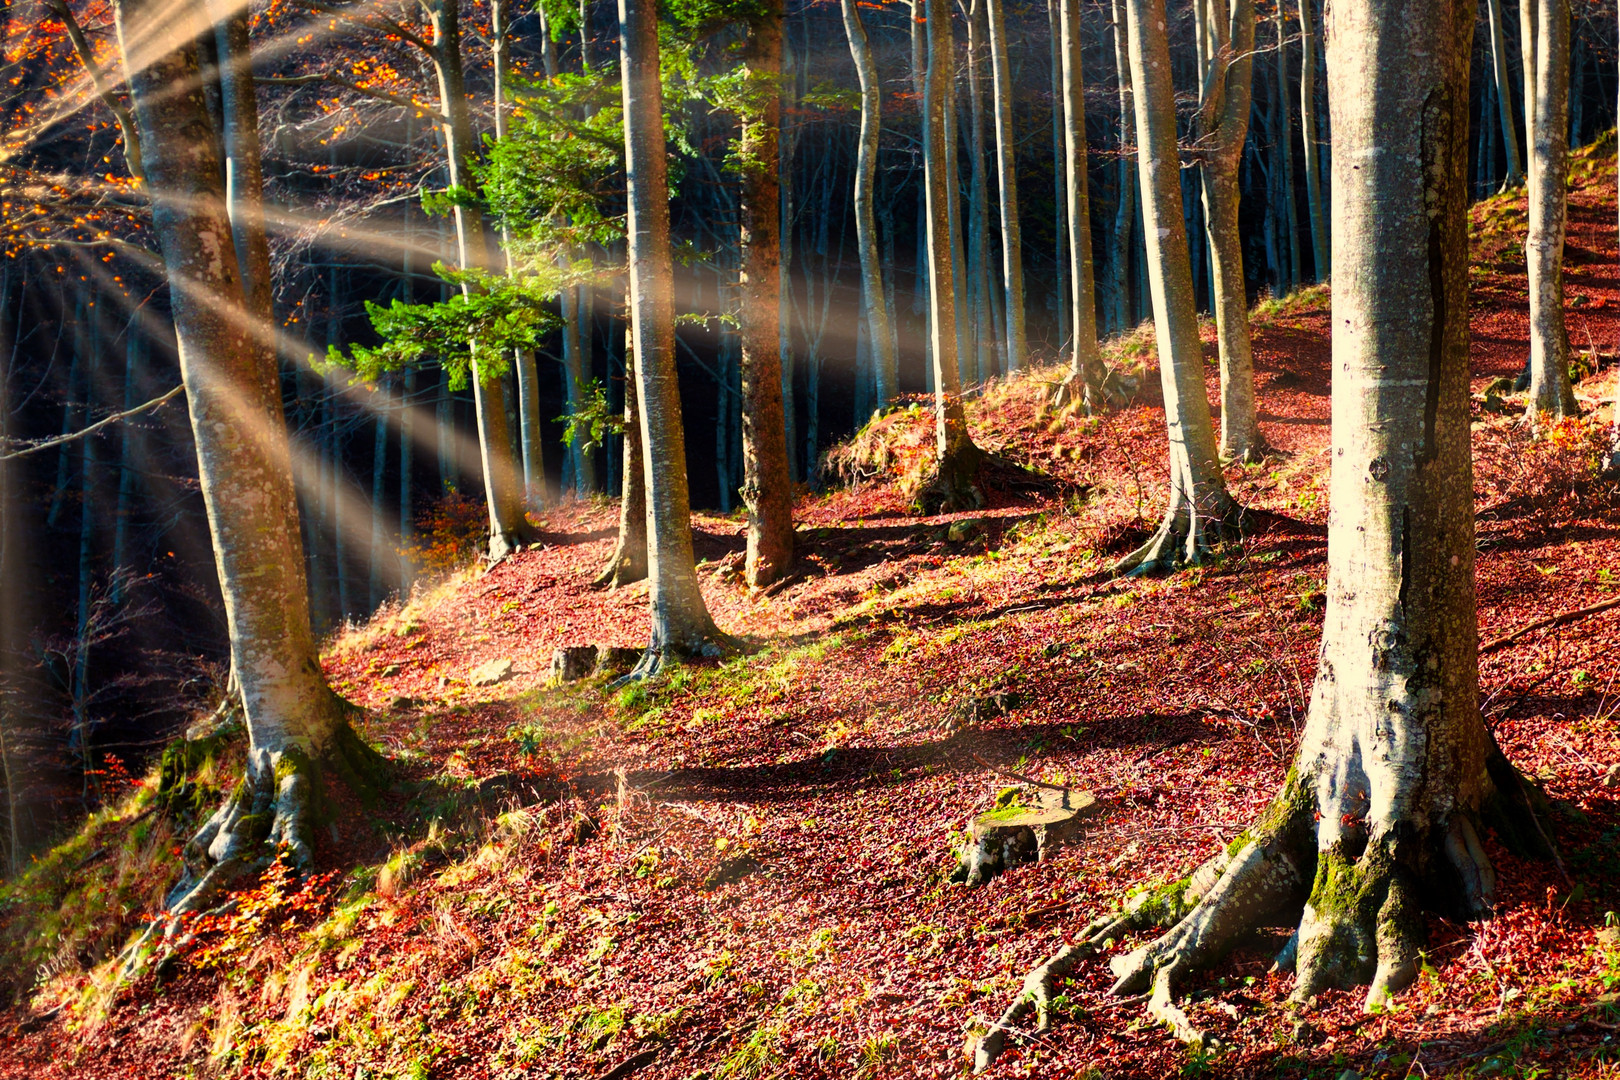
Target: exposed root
623, 568
954, 484
1360, 925
272, 814
1095, 390
659, 657
1188, 536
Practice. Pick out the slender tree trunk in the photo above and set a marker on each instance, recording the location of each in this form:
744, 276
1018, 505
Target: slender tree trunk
378, 589
1085, 364
502, 486
965, 365
1125, 212
885, 364
1223, 129
1285, 150
767, 483
1396, 773
1527, 62
407, 459
1200, 512
1551, 395
1062, 256
985, 339
72, 406
681, 624
787, 144
1504, 92
955, 485
1320, 250
296, 728
128, 477
1007, 173
628, 563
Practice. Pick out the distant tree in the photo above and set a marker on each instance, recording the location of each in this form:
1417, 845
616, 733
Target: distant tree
1315, 181
1086, 373
1201, 512
1552, 397
681, 624
873, 299
1220, 132
298, 734
1396, 774
1007, 173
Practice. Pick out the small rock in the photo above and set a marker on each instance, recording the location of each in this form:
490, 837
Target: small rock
572, 662
403, 704
1306, 1034
1611, 779
1609, 937
963, 530
389, 671
496, 671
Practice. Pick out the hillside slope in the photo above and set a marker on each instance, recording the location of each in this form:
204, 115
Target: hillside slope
741, 870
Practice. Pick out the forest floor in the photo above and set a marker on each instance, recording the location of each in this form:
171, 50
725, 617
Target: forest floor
741, 870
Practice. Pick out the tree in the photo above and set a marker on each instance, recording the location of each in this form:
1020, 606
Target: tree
628, 563
681, 624
1007, 173
297, 731
1396, 774
954, 485
767, 483
1201, 512
1320, 238
873, 299
1504, 94
1551, 395
1086, 372
1220, 131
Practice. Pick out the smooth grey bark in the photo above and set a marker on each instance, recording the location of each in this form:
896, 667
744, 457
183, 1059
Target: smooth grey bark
986, 341
576, 367
503, 488
1552, 397
965, 365
767, 487
377, 590
1012, 250
1527, 62
1321, 251
296, 727
1395, 773
681, 625
407, 459
1085, 363
885, 364
955, 483
1065, 298
128, 475
1504, 93
1201, 512
1125, 212
1285, 149
1220, 131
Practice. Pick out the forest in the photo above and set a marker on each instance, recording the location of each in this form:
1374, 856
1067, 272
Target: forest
757, 538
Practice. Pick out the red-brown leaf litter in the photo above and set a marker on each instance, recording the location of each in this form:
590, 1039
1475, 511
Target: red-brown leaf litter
740, 870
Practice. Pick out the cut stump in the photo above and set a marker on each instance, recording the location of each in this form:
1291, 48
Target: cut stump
1026, 824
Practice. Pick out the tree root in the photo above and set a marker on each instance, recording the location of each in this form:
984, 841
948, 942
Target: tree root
1187, 536
623, 568
1094, 392
659, 657
954, 484
272, 814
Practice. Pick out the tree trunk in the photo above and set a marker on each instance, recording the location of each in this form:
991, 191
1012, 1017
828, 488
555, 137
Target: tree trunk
885, 364
1504, 93
1551, 395
407, 458
985, 339
681, 624
1200, 512
1085, 364
1527, 62
1065, 299
1285, 148
1125, 212
1222, 129
1313, 147
628, 563
508, 527
965, 365
767, 484
296, 726
378, 590
128, 476
955, 484
1396, 772
1007, 173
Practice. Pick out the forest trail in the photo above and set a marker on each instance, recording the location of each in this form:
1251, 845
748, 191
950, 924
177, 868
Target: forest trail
740, 871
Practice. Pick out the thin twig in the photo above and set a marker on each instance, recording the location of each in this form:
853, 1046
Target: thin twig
1554, 620
93, 428
1020, 777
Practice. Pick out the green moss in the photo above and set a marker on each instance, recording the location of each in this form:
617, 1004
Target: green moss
1161, 906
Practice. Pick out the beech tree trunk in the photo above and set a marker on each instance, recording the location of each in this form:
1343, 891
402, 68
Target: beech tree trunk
681, 625
1085, 364
955, 483
1285, 148
1221, 131
628, 563
1320, 240
1065, 299
986, 340
1125, 212
503, 488
1200, 513
767, 488
296, 725
1551, 395
885, 364
1007, 173
1396, 772
1504, 93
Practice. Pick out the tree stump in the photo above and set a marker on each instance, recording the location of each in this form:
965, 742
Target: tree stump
572, 663
616, 659
1026, 824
